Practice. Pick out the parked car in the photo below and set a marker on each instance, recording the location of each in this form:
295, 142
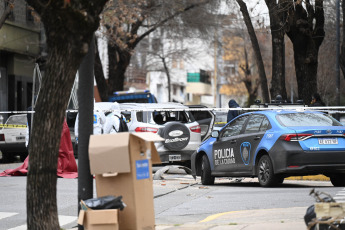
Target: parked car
272, 145
12, 138
172, 121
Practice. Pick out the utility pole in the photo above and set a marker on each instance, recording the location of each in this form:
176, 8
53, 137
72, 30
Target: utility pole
337, 62
85, 127
338, 53
215, 78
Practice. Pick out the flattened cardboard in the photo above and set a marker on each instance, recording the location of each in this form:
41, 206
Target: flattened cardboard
109, 153
135, 187
106, 219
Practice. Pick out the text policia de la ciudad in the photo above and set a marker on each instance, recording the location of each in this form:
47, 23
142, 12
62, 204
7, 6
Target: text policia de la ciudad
224, 156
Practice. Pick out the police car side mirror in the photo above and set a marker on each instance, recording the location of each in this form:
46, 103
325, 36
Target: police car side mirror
215, 134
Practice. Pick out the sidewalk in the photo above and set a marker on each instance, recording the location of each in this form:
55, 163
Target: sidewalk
262, 219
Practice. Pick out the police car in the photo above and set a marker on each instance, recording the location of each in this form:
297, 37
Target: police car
273, 145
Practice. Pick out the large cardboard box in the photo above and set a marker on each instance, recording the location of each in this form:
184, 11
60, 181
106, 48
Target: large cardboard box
122, 163
106, 219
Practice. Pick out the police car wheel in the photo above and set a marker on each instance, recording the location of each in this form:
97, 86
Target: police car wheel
206, 178
338, 180
265, 172
176, 136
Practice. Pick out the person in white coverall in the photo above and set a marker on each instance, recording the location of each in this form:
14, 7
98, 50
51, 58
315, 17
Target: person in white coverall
112, 123
98, 122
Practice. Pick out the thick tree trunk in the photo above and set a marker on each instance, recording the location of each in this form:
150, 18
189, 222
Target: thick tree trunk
257, 52
306, 74
119, 60
69, 28
306, 32
278, 48
45, 138
278, 65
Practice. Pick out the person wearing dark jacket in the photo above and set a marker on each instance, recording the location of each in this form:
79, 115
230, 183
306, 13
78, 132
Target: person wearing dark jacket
233, 113
316, 100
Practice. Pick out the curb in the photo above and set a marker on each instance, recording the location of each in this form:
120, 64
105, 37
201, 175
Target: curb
314, 178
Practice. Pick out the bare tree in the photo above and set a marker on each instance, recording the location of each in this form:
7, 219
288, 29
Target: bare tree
166, 51
305, 28
258, 57
278, 15
129, 22
69, 27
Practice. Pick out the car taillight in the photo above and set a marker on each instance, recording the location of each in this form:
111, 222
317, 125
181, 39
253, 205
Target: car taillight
195, 129
146, 129
2, 137
295, 137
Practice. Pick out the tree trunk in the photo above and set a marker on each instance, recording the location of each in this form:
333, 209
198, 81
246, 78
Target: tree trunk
69, 29
119, 60
168, 76
48, 122
99, 76
257, 52
278, 65
306, 39
278, 49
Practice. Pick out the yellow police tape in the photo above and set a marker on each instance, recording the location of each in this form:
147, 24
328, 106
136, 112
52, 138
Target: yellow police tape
220, 123
13, 126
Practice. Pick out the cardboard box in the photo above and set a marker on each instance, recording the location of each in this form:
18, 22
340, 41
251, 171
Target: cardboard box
106, 219
122, 163
331, 209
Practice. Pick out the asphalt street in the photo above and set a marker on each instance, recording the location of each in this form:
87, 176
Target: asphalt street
181, 202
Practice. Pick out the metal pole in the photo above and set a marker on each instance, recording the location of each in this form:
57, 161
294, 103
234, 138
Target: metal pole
85, 127
215, 70
337, 62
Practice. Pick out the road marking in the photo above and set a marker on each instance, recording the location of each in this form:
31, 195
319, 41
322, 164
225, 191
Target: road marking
340, 196
7, 214
215, 216
63, 220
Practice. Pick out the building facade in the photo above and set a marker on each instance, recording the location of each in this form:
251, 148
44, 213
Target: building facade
20, 39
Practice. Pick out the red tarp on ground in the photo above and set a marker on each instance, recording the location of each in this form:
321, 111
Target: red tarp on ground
67, 166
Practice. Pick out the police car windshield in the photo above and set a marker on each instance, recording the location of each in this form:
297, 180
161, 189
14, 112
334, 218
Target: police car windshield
306, 119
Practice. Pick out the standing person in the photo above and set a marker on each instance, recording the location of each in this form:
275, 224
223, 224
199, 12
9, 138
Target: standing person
233, 113
316, 101
112, 123
98, 122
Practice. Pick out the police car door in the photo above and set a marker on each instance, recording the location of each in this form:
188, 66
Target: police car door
249, 141
224, 151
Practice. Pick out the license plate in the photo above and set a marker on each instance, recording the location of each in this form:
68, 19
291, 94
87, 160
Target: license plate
328, 141
174, 157
20, 138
